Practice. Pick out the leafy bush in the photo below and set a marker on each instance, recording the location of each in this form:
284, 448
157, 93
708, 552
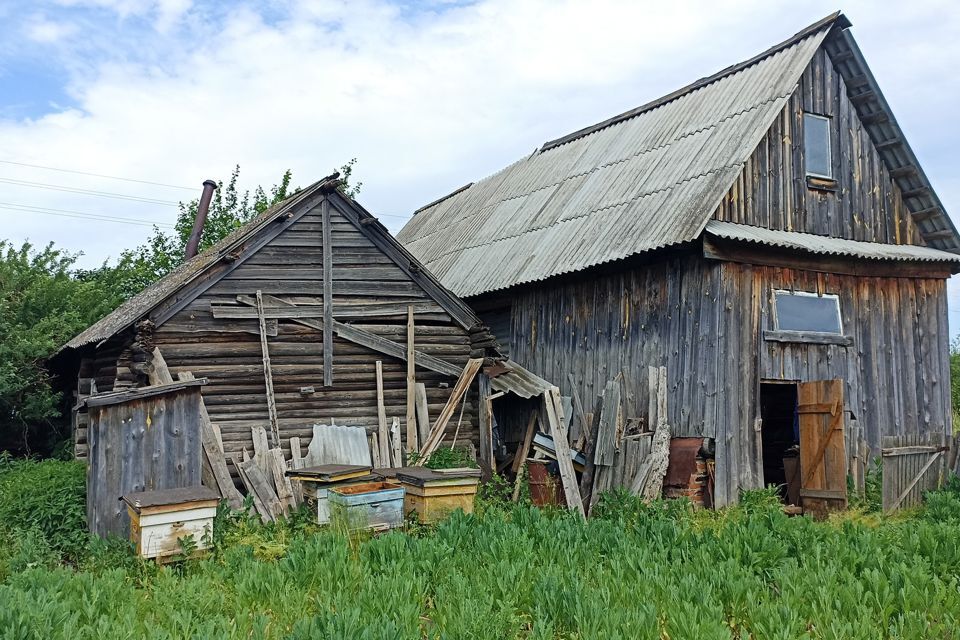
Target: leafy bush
46, 498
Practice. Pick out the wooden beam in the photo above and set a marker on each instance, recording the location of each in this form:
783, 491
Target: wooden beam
568, 476
926, 214
459, 390
874, 118
938, 235
365, 339
268, 372
903, 172
383, 435
863, 96
159, 373
886, 144
807, 337
371, 310
327, 293
412, 439
916, 193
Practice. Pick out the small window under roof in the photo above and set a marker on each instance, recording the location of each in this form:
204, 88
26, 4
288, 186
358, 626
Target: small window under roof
803, 311
816, 146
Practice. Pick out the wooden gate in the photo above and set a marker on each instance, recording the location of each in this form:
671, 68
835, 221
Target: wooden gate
823, 458
912, 465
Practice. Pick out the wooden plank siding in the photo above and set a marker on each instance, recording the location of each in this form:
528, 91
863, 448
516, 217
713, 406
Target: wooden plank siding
291, 268
772, 191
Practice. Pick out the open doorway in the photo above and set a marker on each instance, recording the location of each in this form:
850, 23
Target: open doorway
780, 435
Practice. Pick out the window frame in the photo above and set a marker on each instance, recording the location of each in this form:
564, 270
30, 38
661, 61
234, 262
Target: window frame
808, 294
807, 170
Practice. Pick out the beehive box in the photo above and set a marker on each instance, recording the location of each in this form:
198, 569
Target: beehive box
368, 505
160, 519
435, 494
317, 482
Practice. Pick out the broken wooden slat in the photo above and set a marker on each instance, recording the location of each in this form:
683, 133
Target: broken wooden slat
396, 449
568, 476
606, 445
296, 462
459, 390
258, 504
262, 488
278, 468
375, 451
383, 435
423, 412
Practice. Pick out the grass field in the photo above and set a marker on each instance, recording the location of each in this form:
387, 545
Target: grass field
635, 571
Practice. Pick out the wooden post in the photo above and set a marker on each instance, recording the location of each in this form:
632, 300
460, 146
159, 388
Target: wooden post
383, 435
423, 412
485, 427
520, 458
267, 372
327, 240
396, 449
296, 462
412, 440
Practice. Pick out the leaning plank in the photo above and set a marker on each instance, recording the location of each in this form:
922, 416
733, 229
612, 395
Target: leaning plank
605, 447
267, 372
412, 444
213, 452
375, 451
159, 373
364, 339
261, 508
262, 488
459, 390
296, 462
423, 412
578, 410
649, 481
383, 436
278, 468
521, 456
568, 476
396, 449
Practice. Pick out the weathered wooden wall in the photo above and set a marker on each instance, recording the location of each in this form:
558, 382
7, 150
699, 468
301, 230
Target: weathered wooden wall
662, 314
228, 353
140, 444
897, 370
772, 190
705, 321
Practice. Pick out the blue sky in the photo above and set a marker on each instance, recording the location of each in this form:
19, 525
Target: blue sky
427, 95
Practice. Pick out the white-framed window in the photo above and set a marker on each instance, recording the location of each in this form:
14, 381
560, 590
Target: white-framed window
805, 311
816, 146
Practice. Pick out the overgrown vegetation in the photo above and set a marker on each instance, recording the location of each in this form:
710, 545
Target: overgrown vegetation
662, 570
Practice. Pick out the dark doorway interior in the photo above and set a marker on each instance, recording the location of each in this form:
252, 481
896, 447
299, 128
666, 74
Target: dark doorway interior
780, 434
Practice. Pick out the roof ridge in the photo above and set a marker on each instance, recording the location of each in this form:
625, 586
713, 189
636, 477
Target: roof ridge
834, 19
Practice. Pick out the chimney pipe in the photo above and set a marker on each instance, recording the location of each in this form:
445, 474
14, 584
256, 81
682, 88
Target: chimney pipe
194, 242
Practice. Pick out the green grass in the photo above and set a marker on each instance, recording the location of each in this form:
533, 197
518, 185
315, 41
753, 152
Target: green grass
635, 571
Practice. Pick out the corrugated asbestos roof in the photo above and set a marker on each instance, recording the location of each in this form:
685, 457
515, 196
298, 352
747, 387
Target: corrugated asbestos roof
141, 304
827, 245
519, 381
647, 179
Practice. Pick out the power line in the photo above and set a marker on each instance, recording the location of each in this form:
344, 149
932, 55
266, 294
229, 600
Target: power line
68, 213
98, 175
88, 192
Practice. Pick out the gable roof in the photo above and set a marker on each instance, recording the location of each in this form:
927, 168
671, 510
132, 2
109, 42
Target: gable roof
647, 179
145, 302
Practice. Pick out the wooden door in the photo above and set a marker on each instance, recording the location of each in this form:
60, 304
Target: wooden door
823, 459
912, 465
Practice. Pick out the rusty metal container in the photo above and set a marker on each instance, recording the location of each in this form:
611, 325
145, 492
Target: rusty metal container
544, 489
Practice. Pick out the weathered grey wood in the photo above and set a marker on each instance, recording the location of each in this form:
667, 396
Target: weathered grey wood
606, 444
459, 390
396, 449
258, 505
278, 468
159, 373
412, 436
383, 435
807, 337
375, 452
568, 476
267, 372
327, 295
262, 488
487, 463
423, 412
296, 462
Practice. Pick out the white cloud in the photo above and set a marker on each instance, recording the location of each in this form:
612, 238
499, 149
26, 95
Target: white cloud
426, 99
39, 29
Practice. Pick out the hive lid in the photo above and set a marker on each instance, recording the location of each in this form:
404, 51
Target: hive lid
143, 499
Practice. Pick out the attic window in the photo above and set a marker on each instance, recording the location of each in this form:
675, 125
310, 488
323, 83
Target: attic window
807, 312
816, 146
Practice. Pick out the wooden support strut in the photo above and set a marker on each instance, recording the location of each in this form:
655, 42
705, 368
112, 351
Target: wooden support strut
568, 476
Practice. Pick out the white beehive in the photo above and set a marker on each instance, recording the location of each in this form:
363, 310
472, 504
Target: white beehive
160, 519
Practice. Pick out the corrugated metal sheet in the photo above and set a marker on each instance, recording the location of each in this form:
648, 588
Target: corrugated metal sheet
827, 245
519, 381
645, 180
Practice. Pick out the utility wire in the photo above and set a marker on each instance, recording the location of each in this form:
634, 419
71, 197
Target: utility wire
88, 192
68, 213
98, 175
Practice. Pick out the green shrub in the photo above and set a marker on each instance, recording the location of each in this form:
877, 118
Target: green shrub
49, 498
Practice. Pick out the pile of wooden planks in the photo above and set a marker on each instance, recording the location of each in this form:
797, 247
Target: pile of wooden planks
615, 452
264, 476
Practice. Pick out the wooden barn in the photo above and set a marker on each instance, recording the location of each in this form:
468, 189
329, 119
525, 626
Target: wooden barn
765, 233
310, 313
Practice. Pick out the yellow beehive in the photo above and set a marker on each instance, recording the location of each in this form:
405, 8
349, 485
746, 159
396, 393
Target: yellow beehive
434, 494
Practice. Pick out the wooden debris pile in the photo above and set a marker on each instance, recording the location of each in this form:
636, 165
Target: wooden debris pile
608, 451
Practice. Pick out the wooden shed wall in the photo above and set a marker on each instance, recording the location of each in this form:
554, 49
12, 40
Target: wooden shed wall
228, 353
657, 314
897, 371
772, 190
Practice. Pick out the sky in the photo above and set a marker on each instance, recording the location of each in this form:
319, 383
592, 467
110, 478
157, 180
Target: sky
426, 95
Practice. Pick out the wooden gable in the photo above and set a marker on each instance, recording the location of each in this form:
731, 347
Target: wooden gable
863, 202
